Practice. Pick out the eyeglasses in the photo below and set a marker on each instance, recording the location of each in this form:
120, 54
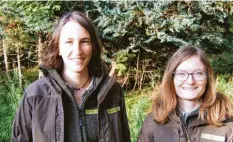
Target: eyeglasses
197, 76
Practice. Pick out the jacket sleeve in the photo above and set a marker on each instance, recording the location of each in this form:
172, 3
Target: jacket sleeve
230, 133
145, 134
124, 120
22, 122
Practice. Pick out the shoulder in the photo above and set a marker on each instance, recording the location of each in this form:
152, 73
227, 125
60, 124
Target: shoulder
151, 125
146, 132
229, 122
109, 91
108, 79
38, 88
108, 84
149, 120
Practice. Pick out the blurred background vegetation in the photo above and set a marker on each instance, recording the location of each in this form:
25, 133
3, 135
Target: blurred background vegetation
138, 38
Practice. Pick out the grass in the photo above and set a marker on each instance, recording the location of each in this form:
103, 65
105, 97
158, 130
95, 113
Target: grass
138, 104
10, 95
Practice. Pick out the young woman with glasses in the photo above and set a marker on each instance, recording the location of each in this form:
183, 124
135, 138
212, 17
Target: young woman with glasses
188, 108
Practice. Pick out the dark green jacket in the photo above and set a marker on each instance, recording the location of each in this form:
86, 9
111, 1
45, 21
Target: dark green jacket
196, 130
44, 117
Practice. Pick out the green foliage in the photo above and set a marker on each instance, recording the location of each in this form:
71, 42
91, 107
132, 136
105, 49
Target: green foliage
36, 16
10, 95
123, 60
137, 104
223, 63
138, 35
30, 75
147, 28
225, 85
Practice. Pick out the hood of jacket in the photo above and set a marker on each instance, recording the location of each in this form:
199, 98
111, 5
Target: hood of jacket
55, 80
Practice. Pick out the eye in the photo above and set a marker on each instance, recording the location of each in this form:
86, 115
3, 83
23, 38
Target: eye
69, 42
180, 73
86, 41
199, 73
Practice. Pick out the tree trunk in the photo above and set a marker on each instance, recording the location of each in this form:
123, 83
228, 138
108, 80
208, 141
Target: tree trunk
19, 68
112, 71
40, 48
137, 76
5, 58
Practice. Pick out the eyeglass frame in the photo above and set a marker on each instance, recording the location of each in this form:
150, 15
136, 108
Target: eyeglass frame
191, 75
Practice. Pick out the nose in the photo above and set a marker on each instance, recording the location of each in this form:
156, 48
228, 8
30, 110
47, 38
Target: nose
77, 49
190, 79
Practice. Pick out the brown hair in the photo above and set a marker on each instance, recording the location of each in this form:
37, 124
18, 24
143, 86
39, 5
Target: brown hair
51, 58
216, 105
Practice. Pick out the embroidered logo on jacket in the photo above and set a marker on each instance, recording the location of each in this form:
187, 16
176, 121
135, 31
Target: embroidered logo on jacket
95, 111
113, 110
213, 137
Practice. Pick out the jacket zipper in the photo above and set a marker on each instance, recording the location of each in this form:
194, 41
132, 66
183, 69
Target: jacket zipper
81, 115
186, 136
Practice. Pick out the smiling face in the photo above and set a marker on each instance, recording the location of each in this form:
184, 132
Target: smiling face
75, 48
190, 89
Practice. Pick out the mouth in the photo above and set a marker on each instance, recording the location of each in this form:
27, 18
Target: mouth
77, 60
189, 88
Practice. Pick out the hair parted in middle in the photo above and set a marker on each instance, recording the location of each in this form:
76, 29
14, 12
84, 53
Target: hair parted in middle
51, 58
166, 100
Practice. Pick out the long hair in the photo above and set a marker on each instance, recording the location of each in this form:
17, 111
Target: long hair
215, 106
51, 58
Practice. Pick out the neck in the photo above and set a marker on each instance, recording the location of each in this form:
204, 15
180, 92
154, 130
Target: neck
188, 106
76, 80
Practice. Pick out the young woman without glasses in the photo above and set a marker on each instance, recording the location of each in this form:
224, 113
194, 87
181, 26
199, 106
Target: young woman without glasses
188, 108
75, 101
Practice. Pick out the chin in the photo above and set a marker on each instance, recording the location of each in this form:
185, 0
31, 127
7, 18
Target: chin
194, 98
77, 70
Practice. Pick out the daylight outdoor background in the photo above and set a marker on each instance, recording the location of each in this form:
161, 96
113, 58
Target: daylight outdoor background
138, 38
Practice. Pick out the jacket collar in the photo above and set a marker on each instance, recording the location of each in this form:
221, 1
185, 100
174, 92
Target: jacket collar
105, 83
105, 87
193, 122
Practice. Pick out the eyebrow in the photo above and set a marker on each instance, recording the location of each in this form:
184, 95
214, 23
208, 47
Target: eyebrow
85, 38
200, 69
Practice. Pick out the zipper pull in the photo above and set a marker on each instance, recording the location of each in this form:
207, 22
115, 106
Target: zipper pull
188, 138
80, 122
81, 119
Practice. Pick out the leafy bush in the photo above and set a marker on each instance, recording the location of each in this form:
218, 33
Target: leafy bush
138, 104
10, 96
225, 85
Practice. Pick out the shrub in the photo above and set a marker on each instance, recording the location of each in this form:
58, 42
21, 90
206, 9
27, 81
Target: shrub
138, 104
10, 95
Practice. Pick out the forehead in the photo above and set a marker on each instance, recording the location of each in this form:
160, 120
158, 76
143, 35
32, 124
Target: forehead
73, 30
193, 63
